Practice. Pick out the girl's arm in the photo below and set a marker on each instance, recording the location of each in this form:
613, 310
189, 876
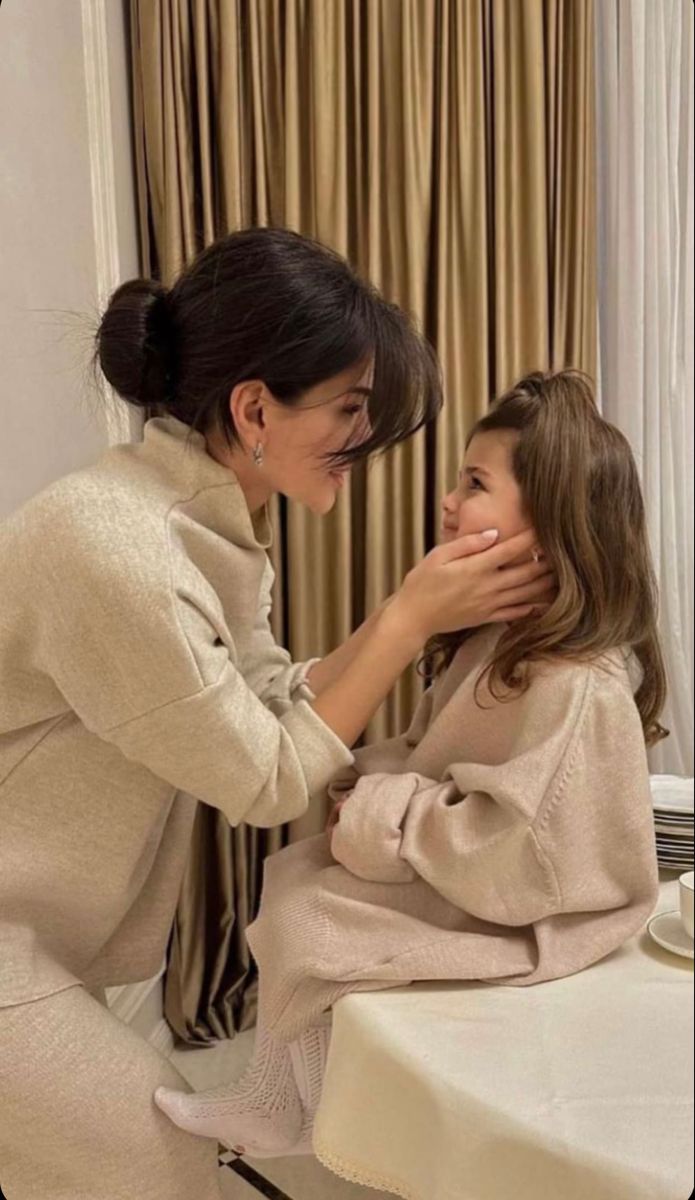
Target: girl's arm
542, 832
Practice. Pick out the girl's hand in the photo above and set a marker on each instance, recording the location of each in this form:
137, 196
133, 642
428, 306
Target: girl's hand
471, 581
334, 816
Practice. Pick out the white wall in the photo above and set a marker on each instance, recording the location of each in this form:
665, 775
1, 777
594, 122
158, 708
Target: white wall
119, 116
52, 275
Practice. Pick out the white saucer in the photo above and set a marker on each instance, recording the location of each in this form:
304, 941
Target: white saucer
667, 929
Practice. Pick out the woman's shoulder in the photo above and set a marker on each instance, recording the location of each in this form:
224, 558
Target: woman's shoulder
95, 523
128, 489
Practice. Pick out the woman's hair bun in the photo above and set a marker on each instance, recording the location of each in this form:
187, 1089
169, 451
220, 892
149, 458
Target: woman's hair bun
135, 343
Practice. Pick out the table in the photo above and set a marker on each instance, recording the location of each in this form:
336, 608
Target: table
576, 1089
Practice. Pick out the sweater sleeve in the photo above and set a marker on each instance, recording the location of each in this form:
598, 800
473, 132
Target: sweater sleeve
371, 760
268, 668
472, 848
223, 745
477, 835
143, 666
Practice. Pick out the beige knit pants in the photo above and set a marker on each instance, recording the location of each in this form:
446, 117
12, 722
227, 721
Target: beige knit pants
77, 1118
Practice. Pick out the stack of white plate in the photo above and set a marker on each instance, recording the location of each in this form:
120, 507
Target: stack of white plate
672, 798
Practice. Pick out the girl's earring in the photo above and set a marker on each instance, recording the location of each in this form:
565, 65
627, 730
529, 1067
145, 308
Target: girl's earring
536, 554
258, 455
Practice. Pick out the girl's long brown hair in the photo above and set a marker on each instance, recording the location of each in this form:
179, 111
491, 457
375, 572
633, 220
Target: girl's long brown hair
582, 495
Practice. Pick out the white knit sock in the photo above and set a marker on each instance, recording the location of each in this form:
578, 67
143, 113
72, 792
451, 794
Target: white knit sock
309, 1055
260, 1115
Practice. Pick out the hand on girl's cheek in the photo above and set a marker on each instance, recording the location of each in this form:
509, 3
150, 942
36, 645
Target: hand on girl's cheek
476, 518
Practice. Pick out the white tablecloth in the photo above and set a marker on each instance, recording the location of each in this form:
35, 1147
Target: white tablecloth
578, 1089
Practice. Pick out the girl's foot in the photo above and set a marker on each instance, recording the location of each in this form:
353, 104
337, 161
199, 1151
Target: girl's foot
261, 1115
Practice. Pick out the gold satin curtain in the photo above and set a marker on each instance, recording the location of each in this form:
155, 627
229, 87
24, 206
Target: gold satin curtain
446, 147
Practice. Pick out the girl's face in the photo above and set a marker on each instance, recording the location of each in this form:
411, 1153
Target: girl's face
487, 495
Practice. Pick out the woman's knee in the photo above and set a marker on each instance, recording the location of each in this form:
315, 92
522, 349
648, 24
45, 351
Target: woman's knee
77, 1089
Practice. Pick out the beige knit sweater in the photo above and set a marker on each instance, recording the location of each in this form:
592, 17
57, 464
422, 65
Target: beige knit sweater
510, 841
138, 675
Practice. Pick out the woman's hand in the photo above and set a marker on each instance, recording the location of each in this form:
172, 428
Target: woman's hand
457, 585
473, 581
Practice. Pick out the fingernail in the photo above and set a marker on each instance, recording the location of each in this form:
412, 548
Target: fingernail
490, 534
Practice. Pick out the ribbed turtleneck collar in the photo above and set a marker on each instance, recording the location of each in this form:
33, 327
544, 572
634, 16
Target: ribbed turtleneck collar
181, 453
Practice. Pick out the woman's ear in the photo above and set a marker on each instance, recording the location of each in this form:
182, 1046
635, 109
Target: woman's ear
246, 407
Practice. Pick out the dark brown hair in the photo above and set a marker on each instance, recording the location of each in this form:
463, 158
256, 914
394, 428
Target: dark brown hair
273, 305
582, 495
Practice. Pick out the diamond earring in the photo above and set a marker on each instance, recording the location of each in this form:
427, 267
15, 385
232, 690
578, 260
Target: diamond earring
258, 455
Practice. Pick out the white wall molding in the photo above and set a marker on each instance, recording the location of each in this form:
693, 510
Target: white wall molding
141, 1006
162, 1039
122, 423
126, 1001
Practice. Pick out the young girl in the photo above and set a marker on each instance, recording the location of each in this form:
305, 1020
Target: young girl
508, 834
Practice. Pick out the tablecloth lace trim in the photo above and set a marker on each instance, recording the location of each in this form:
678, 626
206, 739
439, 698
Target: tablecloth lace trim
353, 1174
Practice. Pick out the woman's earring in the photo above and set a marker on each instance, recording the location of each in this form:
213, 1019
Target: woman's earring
536, 554
258, 455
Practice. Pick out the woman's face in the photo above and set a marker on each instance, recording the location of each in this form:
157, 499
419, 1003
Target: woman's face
330, 416
487, 495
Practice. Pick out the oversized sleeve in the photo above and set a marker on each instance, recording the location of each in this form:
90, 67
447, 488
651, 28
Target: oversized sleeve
370, 760
143, 666
541, 833
268, 668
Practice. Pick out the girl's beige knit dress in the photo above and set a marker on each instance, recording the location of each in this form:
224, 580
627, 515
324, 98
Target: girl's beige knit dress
502, 840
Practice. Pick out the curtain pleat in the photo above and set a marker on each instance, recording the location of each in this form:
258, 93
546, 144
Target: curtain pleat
447, 148
645, 279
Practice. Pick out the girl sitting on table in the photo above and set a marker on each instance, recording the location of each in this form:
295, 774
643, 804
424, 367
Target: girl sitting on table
508, 835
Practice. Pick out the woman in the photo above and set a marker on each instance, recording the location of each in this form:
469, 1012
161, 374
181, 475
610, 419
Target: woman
508, 835
139, 674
